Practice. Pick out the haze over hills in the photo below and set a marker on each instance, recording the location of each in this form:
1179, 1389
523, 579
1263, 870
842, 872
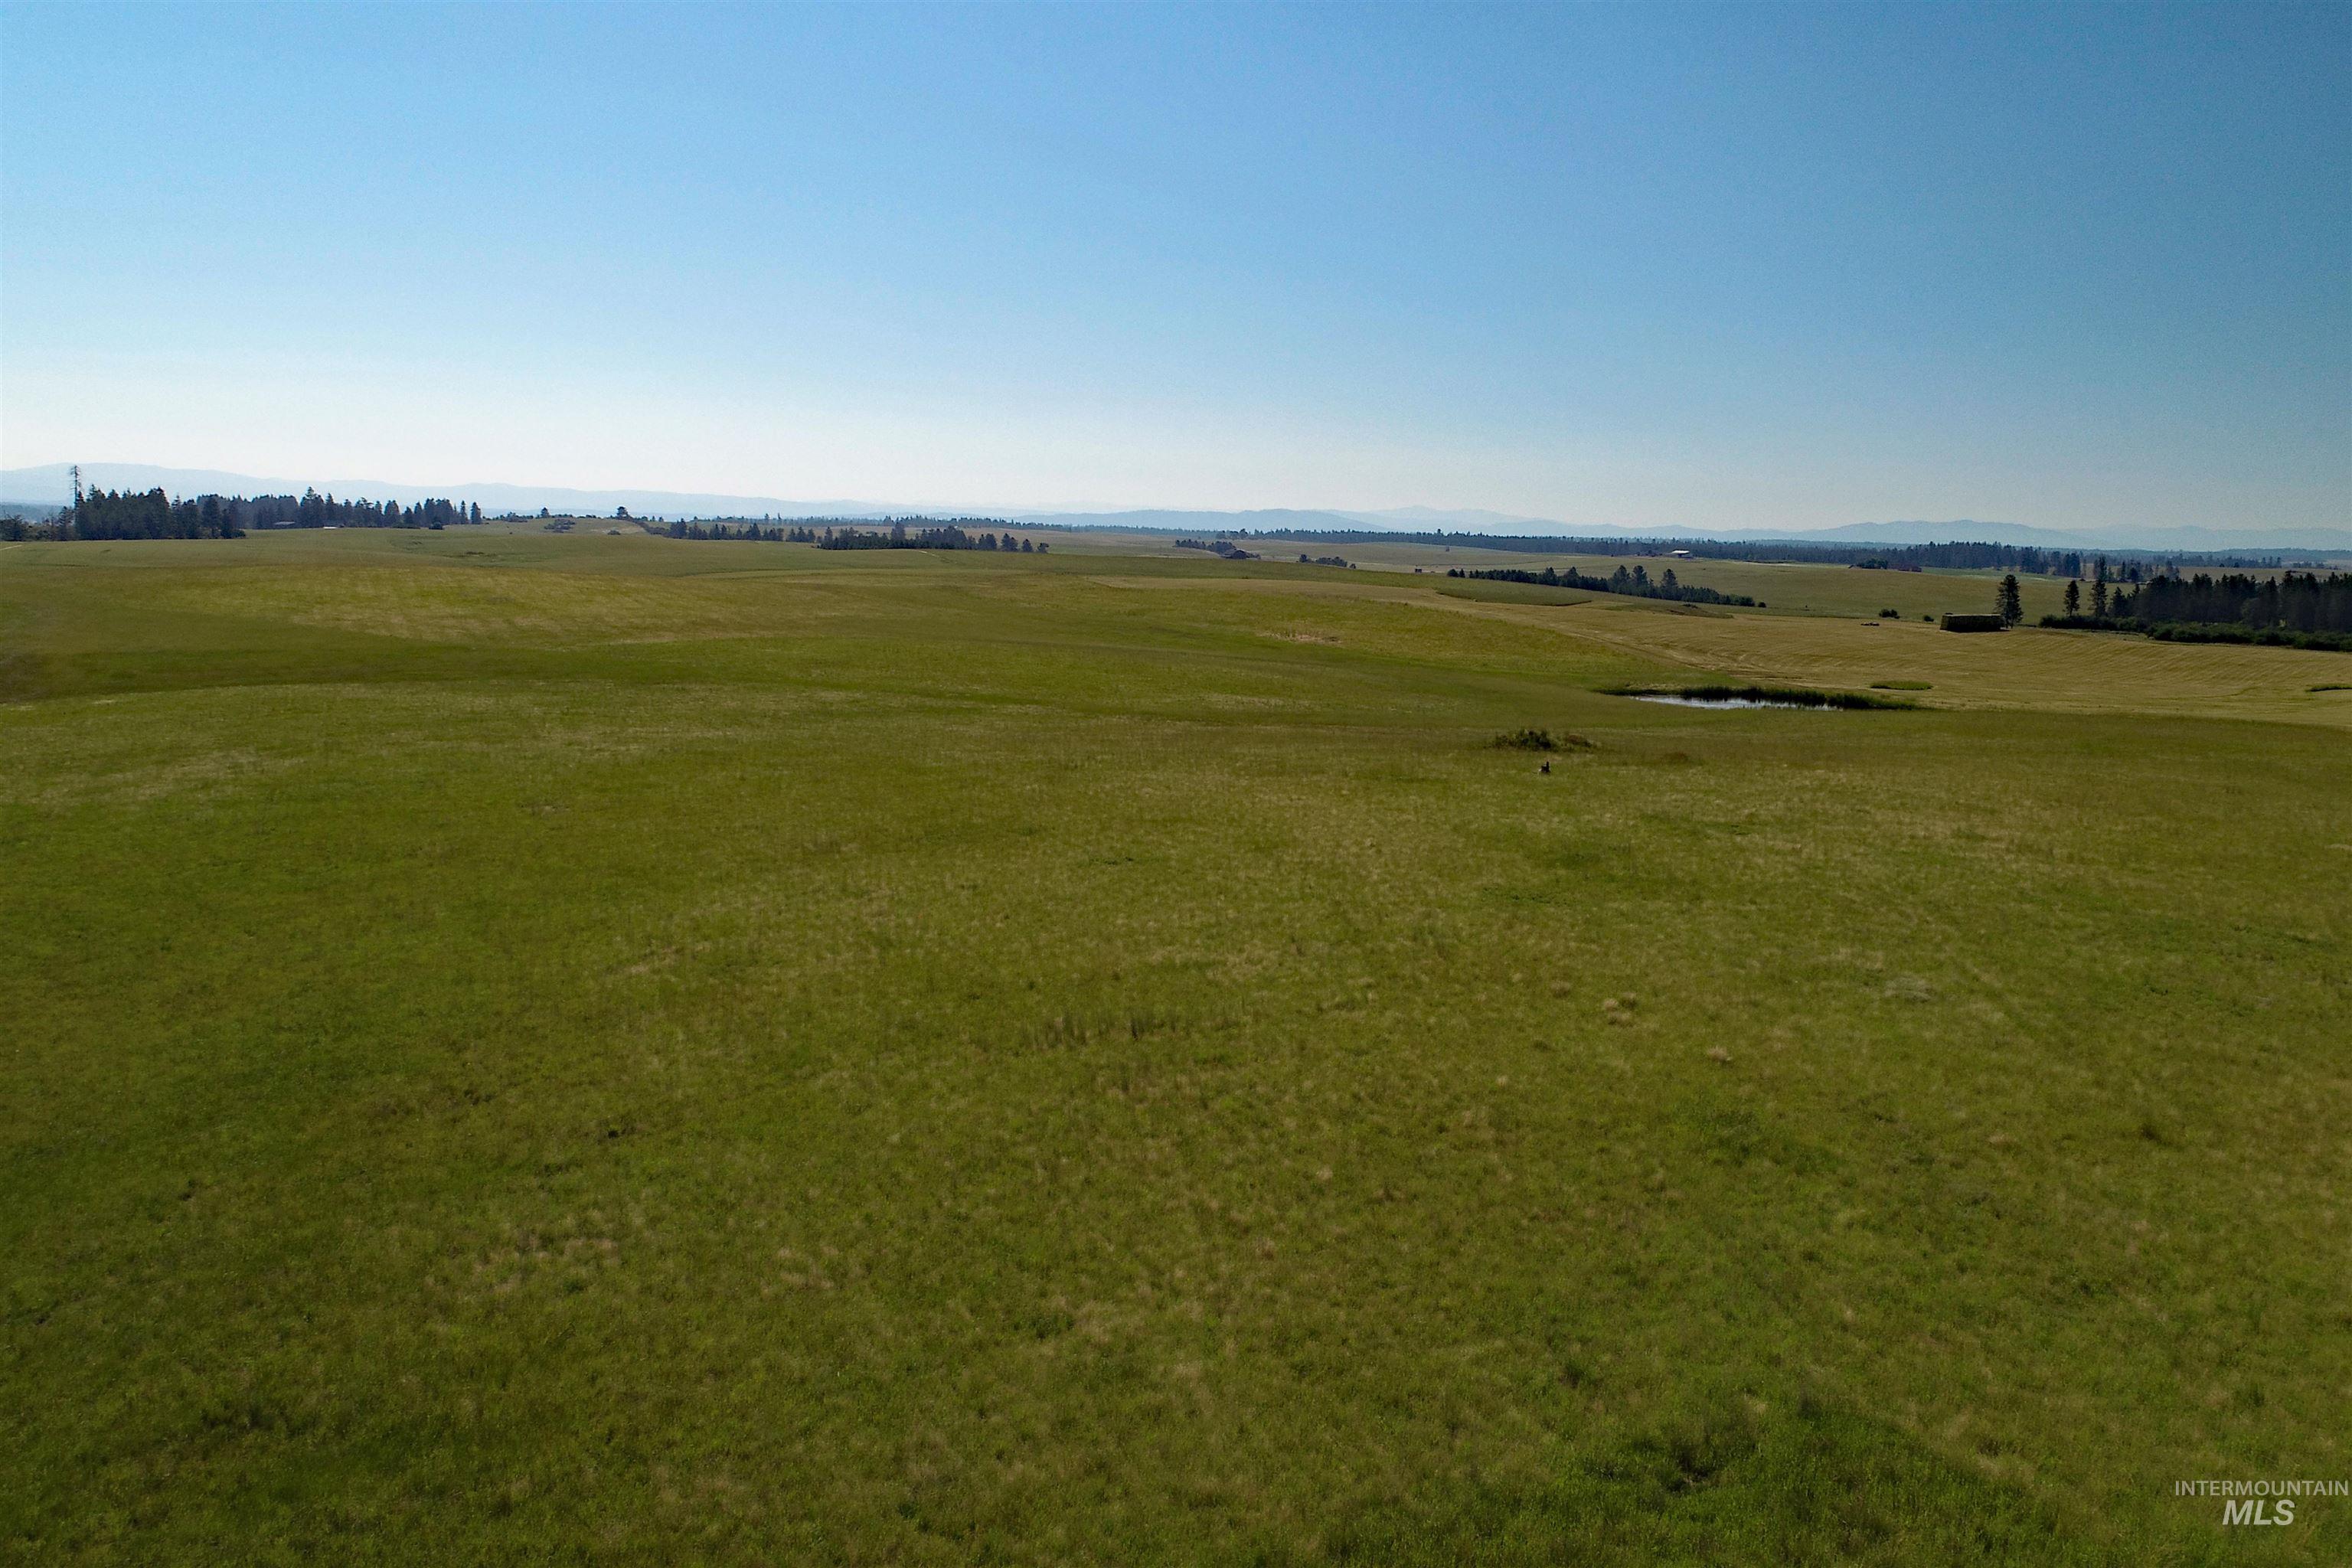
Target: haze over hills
1419, 519
51, 484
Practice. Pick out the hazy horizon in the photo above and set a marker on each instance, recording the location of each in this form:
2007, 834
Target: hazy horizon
1704, 268
49, 485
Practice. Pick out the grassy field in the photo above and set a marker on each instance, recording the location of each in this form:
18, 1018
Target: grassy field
627, 1050
1783, 588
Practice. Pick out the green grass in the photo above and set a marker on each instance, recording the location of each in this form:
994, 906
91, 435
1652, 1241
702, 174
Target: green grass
2041, 669
1786, 588
1513, 593
651, 1051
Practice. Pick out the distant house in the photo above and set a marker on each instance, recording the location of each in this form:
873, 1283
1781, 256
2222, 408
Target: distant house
1680, 554
1973, 623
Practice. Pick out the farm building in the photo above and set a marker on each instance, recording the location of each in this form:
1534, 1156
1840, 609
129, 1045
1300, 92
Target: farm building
1973, 623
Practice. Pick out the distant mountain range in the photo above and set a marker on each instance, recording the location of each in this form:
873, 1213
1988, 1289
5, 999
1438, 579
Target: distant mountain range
50, 485
1422, 520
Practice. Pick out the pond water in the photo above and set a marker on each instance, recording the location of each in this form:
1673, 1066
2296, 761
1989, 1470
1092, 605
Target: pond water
1718, 702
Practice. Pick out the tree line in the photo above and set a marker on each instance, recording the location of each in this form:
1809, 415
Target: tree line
942, 536
131, 514
775, 534
1635, 582
2300, 609
151, 514
311, 510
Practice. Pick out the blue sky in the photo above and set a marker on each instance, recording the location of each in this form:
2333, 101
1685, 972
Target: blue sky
1752, 266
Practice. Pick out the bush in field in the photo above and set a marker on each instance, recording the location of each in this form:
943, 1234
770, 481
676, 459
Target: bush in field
1539, 740
2201, 631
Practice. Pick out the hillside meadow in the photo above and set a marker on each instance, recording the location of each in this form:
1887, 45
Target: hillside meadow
618, 1050
1782, 588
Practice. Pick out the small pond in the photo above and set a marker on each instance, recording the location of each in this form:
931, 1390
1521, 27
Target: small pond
1758, 696
1720, 701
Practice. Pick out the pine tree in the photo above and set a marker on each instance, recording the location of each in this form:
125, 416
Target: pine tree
2074, 598
2012, 608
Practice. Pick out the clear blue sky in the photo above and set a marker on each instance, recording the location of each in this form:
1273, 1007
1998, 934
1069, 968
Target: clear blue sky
1746, 266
